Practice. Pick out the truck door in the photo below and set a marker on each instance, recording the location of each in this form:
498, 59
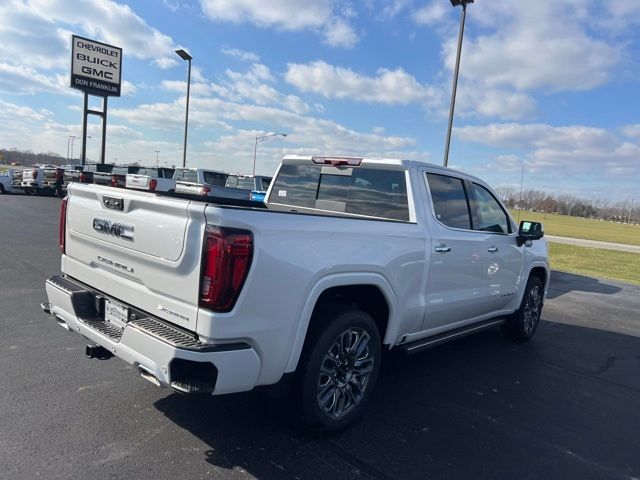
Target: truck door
457, 287
503, 257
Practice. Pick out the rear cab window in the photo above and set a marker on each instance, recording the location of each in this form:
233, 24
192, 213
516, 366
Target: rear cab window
358, 190
185, 175
216, 179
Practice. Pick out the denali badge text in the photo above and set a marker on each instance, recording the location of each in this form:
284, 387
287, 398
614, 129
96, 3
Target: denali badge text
117, 229
113, 264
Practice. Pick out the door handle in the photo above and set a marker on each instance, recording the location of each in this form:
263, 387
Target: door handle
492, 249
443, 249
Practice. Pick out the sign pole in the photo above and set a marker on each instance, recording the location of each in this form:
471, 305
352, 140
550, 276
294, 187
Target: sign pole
104, 128
96, 69
85, 114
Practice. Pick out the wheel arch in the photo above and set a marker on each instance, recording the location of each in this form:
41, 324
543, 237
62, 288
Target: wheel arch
370, 292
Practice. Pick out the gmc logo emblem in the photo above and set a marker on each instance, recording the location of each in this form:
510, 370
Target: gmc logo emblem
119, 230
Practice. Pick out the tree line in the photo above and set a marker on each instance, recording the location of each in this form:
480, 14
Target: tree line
565, 204
28, 157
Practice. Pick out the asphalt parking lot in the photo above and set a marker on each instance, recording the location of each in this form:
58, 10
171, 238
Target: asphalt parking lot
566, 405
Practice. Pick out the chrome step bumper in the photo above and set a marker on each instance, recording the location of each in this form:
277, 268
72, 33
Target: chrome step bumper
163, 353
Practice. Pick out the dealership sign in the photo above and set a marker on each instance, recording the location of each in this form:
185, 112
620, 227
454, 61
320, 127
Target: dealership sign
96, 68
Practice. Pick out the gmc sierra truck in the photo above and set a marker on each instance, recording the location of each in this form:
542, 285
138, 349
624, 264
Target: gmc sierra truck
347, 257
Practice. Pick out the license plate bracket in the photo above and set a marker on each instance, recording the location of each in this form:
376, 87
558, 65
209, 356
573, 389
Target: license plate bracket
115, 313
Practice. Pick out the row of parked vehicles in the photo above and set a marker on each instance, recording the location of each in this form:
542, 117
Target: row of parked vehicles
54, 180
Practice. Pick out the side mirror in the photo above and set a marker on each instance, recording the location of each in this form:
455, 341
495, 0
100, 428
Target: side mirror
529, 231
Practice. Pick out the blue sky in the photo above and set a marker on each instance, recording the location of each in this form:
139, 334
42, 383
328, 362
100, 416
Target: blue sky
551, 83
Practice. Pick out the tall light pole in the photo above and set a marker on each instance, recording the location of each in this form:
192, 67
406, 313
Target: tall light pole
68, 142
71, 139
454, 89
260, 140
186, 57
157, 153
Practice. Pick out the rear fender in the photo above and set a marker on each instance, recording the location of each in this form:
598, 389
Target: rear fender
340, 280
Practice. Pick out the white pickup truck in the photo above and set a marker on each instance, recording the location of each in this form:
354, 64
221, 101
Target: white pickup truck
347, 257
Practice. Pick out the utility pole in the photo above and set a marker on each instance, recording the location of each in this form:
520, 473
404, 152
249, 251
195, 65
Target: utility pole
454, 89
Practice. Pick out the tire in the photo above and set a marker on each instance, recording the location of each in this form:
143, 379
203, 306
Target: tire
523, 323
331, 396
2, 190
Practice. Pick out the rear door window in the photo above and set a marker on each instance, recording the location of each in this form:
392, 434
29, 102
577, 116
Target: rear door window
450, 202
358, 190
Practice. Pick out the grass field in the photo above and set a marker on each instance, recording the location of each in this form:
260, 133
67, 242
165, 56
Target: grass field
623, 266
566, 226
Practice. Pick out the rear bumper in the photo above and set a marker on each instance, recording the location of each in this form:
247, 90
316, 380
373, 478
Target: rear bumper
163, 353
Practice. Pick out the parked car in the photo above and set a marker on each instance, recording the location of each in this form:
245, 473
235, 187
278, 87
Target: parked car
71, 173
16, 179
42, 179
255, 185
6, 182
209, 183
154, 179
52, 180
119, 174
86, 173
349, 256
101, 173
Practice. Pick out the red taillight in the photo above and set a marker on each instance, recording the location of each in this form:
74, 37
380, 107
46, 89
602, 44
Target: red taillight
34, 174
63, 224
85, 178
153, 184
114, 181
59, 174
225, 264
205, 191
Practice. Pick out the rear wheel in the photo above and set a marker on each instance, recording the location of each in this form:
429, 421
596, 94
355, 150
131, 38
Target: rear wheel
338, 368
522, 324
2, 190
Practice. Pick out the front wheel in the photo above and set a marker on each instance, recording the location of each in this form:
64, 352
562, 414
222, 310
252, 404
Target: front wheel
339, 368
523, 323
2, 190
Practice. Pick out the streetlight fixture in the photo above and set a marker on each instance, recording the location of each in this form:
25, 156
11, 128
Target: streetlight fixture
187, 58
157, 153
260, 140
455, 3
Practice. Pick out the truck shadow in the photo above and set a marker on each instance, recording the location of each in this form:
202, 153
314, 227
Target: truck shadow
479, 408
564, 282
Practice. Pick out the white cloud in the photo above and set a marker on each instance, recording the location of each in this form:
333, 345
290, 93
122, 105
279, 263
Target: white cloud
306, 134
31, 31
576, 149
128, 89
390, 87
287, 15
432, 13
632, 131
241, 54
254, 85
21, 80
538, 45
338, 33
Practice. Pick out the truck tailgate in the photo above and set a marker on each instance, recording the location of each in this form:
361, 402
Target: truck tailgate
132, 246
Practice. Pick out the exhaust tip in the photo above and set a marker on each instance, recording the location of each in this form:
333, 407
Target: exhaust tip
148, 375
63, 324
